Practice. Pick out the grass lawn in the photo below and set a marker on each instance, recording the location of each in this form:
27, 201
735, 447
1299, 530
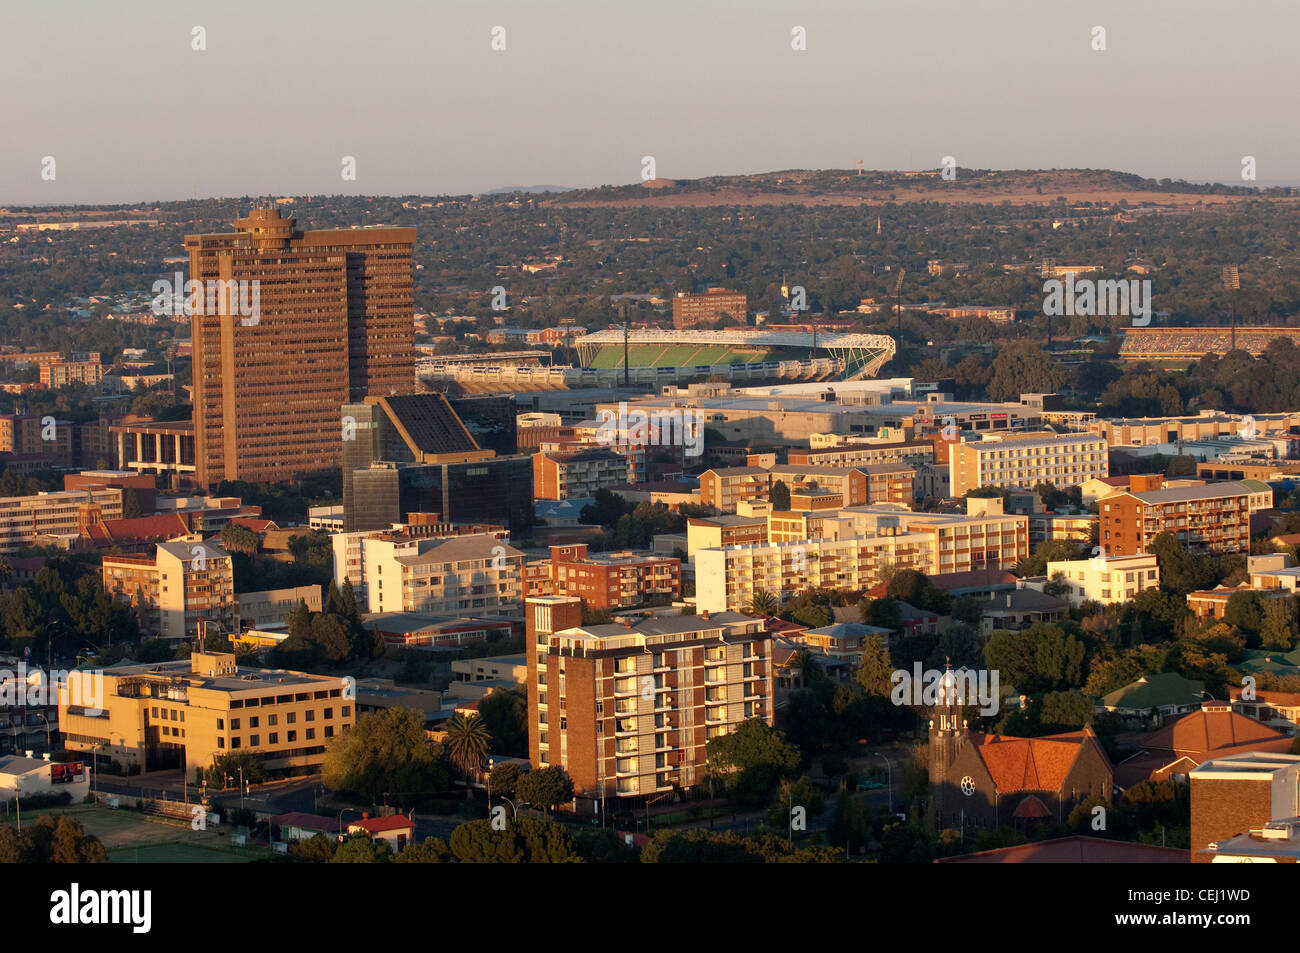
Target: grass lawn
157, 840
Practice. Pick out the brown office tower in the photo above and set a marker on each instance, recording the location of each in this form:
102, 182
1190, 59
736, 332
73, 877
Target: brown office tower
331, 322
544, 615
690, 310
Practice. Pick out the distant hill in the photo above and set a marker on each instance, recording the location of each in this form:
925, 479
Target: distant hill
978, 186
529, 189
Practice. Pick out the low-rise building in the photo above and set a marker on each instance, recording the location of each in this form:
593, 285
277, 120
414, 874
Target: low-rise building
271, 607
450, 576
562, 476
1106, 579
181, 714
1063, 460
608, 580
60, 515
1213, 518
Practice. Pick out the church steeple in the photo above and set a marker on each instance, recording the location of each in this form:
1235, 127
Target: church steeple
948, 732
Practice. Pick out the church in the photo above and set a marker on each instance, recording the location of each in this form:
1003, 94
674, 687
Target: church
985, 781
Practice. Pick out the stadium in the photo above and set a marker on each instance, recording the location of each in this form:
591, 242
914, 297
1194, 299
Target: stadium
1190, 344
742, 357
856, 355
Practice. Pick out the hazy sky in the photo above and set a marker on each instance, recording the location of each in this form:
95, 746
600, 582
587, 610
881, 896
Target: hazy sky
585, 88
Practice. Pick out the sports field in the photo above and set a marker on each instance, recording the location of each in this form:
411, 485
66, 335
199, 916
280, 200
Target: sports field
680, 355
130, 836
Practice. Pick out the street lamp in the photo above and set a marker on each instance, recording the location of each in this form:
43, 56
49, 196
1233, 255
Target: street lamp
890, 768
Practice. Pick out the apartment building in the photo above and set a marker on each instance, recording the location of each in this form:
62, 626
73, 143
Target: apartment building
63, 373
1207, 425
854, 548
726, 579
349, 548
1064, 460
690, 310
460, 575
181, 714
564, 476
1106, 579
704, 532
1246, 808
627, 710
1214, 518
60, 514
606, 580
182, 588
870, 483
855, 454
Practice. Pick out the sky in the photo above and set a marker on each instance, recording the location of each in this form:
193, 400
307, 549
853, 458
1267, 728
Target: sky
414, 92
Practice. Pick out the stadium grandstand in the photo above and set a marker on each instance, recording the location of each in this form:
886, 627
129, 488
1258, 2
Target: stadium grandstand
1189, 344
856, 355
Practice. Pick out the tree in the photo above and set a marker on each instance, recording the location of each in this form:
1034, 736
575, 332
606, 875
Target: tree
875, 670
467, 743
1245, 610
1180, 570
1065, 711
237, 538
432, 850
800, 793
884, 612
779, 496
505, 716
231, 764
1023, 367
915, 588
317, 849
385, 751
763, 603
360, 849
503, 780
544, 788
1278, 630
752, 759
523, 841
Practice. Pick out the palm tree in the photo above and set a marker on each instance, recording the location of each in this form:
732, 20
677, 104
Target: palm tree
763, 603
467, 745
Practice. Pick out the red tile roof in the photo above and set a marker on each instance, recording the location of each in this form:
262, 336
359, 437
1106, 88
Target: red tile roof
1209, 730
376, 825
1032, 764
256, 525
137, 529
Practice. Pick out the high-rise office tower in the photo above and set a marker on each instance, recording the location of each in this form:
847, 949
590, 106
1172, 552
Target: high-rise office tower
329, 321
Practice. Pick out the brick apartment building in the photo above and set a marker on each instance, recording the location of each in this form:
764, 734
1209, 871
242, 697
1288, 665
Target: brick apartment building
628, 710
690, 310
335, 307
563, 476
1213, 518
1243, 793
183, 588
607, 580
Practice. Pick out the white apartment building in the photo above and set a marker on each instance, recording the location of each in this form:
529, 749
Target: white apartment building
477, 575
1106, 579
185, 589
1063, 460
23, 518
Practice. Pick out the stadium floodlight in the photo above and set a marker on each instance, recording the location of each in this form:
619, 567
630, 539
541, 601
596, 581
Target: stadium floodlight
1232, 282
898, 295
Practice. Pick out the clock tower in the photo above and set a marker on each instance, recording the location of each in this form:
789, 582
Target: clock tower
948, 735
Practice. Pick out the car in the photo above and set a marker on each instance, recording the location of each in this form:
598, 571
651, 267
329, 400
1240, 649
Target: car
869, 785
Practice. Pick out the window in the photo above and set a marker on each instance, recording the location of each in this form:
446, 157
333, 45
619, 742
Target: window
221, 742
234, 742
221, 724
329, 731
347, 711
291, 718
252, 722
272, 720
329, 713
153, 712
273, 738
311, 733
291, 736
234, 725
254, 741
564, 723
309, 715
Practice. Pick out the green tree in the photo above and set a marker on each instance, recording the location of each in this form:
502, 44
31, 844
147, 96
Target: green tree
799, 793
505, 716
237, 538
544, 788
763, 603
523, 841
360, 849
468, 742
432, 850
384, 751
503, 780
779, 496
752, 760
1023, 367
875, 670
230, 764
